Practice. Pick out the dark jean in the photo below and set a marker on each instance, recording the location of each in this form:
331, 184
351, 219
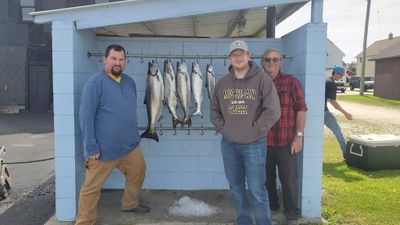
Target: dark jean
246, 163
287, 167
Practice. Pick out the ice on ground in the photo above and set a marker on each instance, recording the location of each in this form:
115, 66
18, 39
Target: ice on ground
187, 206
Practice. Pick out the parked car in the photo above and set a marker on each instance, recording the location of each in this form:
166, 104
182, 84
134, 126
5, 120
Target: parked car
368, 83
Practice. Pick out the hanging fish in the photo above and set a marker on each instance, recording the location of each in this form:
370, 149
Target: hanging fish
183, 90
153, 99
170, 95
210, 82
197, 83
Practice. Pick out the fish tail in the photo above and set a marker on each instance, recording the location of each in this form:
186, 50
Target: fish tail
175, 122
187, 121
198, 113
149, 134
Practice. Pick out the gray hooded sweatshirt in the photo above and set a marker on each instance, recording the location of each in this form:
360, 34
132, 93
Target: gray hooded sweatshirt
243, 110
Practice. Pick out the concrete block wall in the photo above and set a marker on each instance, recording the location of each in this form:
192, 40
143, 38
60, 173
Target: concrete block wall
70, 69
307, 48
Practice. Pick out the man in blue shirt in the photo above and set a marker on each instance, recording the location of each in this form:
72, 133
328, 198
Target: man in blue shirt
330, 96
108, 119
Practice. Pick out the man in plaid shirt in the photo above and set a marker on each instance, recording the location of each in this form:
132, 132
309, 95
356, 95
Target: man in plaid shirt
285, 138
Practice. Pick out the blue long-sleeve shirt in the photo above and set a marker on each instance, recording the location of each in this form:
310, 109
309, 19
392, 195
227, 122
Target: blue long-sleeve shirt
108, 116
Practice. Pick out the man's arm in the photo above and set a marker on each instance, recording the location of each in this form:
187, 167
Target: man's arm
301, 108
297, 143
340, 108
215, 111
87, 115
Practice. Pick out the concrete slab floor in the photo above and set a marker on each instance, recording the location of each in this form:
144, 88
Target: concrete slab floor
159, 201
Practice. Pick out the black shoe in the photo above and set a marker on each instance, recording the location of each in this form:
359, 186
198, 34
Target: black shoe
138, 209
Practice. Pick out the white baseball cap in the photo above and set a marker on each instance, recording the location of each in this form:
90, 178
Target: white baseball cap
238, 44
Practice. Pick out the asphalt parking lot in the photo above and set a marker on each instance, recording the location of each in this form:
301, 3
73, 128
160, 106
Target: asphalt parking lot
28, 137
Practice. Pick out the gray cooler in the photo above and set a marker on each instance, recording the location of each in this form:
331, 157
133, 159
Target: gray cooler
373, 151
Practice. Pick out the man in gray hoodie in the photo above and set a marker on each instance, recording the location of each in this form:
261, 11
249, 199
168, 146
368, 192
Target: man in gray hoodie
245, 106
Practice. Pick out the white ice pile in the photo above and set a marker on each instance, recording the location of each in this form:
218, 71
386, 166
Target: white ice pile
187, 206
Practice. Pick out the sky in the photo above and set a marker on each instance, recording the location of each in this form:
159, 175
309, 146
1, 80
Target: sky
346, 22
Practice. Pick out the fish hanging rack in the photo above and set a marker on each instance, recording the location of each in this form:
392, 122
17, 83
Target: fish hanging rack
182, 57
188, 130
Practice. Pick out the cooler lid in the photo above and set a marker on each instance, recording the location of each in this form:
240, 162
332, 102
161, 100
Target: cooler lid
376, 139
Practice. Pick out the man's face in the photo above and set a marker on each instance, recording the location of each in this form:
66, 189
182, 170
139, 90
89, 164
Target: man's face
271, 63
337, 76
239, 59
114, 63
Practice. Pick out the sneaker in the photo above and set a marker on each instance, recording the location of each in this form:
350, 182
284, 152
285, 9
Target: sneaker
293, 222
138, 209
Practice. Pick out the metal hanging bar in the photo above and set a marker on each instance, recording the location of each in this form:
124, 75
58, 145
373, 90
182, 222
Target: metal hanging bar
162, 128
171, 56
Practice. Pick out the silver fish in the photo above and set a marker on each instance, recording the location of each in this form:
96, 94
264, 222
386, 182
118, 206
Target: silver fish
210, 82
183, 89
197, 83
170, 96
153, 100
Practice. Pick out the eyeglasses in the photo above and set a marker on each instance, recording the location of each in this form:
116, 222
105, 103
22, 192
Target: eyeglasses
275, 59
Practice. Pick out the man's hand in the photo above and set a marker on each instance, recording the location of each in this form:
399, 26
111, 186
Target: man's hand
95, 156
348, 116
297, 145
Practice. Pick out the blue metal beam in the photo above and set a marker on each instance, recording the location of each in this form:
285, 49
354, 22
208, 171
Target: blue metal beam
135, 11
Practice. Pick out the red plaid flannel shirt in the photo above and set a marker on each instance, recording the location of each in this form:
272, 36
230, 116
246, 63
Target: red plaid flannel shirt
291, 98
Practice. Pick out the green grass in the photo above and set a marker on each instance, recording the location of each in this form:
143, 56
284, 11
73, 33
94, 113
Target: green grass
369, 99
353, 196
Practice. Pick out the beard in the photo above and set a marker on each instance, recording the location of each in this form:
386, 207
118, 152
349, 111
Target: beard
116, 70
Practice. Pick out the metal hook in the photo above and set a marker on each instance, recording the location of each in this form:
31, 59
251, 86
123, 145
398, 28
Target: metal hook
174, 132
216, 133
161, 132
188, 133
141, 58
211, 61
202, 130
100, 59
128, 60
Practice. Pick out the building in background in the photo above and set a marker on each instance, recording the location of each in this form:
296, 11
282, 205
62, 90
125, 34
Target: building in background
373, 50
387, 72
25, 55
334, 56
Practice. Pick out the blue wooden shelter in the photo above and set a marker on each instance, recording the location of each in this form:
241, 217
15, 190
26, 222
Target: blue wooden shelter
191, 30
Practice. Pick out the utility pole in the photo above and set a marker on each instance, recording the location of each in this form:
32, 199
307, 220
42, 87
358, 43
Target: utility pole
364, 55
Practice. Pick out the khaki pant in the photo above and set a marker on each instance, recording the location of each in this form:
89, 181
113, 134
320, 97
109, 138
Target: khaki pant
131, 165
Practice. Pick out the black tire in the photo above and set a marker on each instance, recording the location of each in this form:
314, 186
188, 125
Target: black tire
351, 87
3, 192
342, 90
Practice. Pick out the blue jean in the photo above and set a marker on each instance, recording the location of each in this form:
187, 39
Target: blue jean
246, 163
331, 122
